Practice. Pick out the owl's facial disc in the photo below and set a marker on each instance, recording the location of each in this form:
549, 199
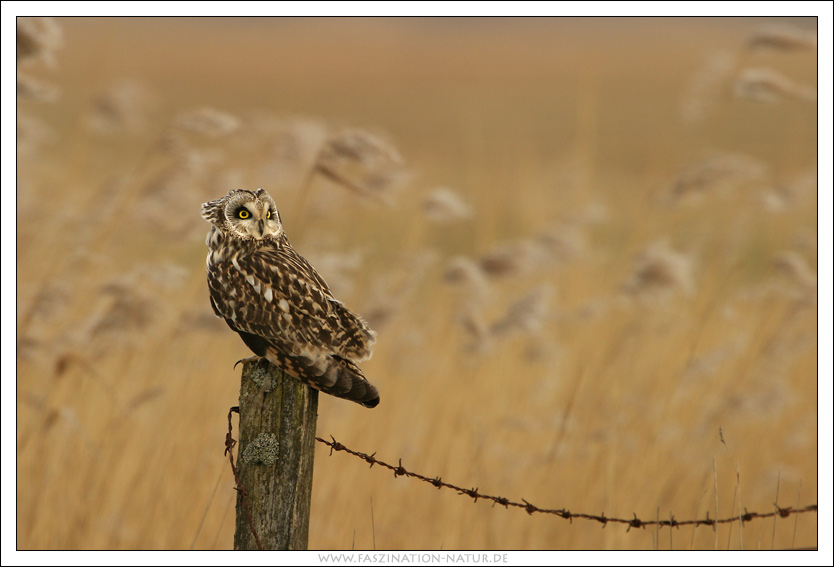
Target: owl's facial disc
253, 218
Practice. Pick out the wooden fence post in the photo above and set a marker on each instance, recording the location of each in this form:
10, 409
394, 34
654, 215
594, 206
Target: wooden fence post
275, 458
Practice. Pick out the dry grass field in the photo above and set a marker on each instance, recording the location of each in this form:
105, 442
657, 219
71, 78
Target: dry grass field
589, 248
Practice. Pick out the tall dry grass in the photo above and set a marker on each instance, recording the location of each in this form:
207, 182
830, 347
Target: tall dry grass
587, 295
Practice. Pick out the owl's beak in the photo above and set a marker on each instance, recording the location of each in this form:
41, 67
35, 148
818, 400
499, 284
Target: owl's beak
261, 228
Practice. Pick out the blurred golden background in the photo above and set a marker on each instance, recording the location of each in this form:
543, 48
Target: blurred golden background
588, 247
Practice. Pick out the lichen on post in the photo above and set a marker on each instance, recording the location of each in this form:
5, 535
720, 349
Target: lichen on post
275, 458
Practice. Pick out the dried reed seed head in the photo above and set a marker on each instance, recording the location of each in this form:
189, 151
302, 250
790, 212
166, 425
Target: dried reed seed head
775, 198
562, 242
377, 184
762, 84
444, 205
293, 142
716, 172
527, 314
805, 182
32, 132
473, 323
359, 146
123, 106
512, 259
771, 400
477, 331
29, 88
796, 268
28, 348
129, 310
462, 270
207, 121
381, 181
466, 273
798, 191
131, 301
706, 85
50, 299
556, 244
659, 270
707, 364
361, 162
37, 39
144, 397
805, 238
783, 38
74, 424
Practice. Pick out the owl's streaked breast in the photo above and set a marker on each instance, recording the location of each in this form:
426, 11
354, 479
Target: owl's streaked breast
225, 248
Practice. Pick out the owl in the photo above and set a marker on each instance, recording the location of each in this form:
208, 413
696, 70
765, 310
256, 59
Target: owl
277, 302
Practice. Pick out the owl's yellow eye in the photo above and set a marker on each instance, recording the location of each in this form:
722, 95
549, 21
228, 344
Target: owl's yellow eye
243, 214
269, 214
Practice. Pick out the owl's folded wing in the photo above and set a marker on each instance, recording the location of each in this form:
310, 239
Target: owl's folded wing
275, 294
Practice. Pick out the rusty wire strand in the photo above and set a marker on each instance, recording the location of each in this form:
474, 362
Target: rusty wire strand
635, 522
230, 443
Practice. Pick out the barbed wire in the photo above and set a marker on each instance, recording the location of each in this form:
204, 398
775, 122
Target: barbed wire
530, 508
230, 444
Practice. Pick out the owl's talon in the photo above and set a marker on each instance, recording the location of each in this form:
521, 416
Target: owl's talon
247, 359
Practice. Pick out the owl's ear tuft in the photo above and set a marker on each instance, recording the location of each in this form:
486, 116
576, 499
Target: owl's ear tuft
214, 211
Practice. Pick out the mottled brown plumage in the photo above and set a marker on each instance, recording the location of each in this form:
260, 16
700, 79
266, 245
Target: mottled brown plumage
277, 302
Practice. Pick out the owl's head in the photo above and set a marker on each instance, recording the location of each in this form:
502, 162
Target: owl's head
250, 215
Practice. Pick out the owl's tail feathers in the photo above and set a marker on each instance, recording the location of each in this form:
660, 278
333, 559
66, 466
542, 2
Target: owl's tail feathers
351, 384
330, 374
